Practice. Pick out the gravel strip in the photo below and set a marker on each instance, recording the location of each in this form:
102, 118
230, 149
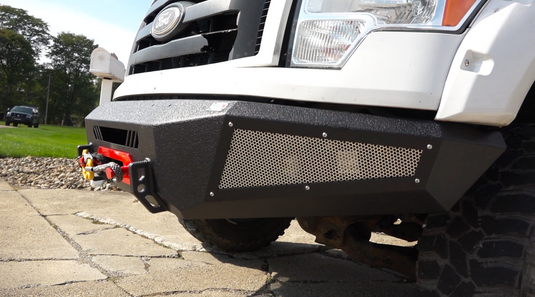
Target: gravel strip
45, 173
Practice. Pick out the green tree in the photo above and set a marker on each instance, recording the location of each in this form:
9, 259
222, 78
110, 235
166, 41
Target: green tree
23, 38
33, 29
17, 67
74, 89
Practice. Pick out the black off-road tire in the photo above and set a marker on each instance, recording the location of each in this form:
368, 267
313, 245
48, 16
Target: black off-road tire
485, 246
7, 123
15, 124
36, 126
237, 235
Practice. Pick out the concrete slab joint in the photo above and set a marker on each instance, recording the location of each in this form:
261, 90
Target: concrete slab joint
81, 243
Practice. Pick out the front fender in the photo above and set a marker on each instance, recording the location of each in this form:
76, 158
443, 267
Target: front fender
494, 67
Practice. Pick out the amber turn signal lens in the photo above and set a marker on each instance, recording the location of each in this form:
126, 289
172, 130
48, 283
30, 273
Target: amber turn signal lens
455, 11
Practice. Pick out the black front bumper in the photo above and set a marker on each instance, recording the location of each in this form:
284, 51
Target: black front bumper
242, 159
20, 120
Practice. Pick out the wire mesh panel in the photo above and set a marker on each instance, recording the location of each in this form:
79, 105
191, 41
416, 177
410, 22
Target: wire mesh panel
260, 159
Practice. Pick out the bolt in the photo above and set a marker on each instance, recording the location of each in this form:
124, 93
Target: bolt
212, 194
307, 188
429, 146
230, 124
417, 181
325, 135
466, 63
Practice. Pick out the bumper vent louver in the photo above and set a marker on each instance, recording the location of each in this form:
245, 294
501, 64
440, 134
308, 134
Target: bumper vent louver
126, 138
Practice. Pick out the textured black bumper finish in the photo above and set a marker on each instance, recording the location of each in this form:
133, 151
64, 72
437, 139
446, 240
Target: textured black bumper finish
188, 145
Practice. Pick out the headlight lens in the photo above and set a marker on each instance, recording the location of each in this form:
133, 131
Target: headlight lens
329, 30
386, 11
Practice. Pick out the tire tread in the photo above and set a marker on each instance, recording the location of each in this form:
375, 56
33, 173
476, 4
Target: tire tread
485, 246
229, 239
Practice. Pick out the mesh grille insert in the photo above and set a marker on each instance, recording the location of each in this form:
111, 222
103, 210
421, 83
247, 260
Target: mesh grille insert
260, 159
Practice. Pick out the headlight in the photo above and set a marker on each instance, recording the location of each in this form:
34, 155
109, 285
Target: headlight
8, 114
329, 30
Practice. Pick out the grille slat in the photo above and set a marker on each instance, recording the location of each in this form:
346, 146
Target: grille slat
144, 33
262, 159
155, 8
182, 47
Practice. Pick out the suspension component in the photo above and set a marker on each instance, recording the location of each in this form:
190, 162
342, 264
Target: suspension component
352, 235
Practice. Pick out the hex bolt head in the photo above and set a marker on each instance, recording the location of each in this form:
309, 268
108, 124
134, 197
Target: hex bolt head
212, 194
307, 188
417, 181
466, 63
324, 135
429, 146
230, 124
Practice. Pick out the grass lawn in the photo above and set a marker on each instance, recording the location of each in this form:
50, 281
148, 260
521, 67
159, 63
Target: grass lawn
45, 141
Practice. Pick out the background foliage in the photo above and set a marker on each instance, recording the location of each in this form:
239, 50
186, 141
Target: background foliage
30, 57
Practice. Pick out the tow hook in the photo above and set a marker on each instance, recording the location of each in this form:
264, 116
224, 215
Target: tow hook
112, 169
137, 175
92, 165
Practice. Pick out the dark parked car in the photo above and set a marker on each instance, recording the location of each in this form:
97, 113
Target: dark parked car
27, 115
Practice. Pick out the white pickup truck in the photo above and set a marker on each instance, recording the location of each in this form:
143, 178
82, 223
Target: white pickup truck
409, 117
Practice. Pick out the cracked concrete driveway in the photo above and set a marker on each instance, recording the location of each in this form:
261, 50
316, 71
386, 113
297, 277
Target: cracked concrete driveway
81, 243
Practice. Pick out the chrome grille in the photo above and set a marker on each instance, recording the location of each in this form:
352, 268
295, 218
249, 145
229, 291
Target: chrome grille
260, 159
214, 33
